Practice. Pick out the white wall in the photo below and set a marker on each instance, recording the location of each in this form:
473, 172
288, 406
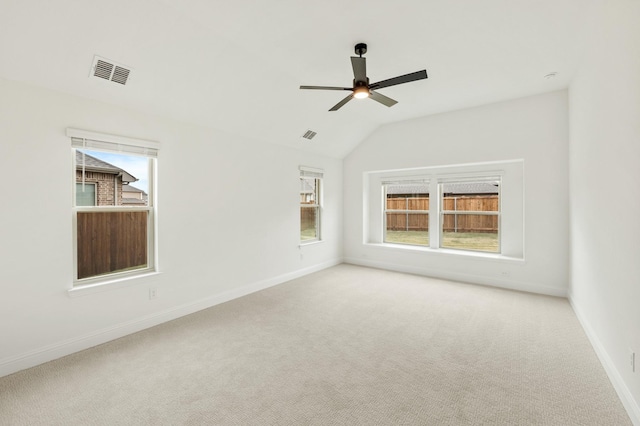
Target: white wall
605, 192
534, 129
228, 223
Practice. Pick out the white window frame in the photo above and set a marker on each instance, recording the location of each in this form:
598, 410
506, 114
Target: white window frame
81, 139
318, 176
511, 204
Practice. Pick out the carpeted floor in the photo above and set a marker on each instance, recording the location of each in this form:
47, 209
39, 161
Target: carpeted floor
344, 346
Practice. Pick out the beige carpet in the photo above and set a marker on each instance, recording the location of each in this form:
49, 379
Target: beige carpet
345, 346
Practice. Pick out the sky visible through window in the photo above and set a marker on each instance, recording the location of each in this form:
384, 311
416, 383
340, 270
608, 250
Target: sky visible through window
133, 164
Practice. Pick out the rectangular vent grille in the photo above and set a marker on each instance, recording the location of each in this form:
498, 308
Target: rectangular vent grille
108, 70
310, 134
103, 70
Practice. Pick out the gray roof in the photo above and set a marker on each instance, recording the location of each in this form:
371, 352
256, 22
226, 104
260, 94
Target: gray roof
449, 188
94, 164
131, 188
133, 201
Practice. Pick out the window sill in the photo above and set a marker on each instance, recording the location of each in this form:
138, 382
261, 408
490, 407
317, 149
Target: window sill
112, 284
448, 252
310, 243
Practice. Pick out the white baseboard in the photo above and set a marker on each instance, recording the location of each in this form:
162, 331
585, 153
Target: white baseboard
461, 277
630, 404
57, 350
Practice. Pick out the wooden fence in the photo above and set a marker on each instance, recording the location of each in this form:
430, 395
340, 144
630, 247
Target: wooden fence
111, 241
410, 220
307, 218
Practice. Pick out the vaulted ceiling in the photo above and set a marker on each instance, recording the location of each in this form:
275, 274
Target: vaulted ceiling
237, 65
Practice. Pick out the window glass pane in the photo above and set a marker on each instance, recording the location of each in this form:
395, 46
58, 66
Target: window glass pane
407, 214
471, 233
308, 190
118, 179
111, 242
308, 223
470, 217
85, 194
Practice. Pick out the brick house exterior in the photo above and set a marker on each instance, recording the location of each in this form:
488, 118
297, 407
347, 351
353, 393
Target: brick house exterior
107, 178
132, 196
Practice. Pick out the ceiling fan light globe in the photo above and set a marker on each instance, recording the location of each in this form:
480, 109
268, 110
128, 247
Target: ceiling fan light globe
361, 92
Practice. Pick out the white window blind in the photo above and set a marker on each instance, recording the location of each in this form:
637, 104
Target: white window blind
83, 139
311, 172
409, 180
493, 177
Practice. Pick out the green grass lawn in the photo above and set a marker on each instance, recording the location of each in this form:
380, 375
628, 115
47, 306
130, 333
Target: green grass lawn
420, 238
459, 240
308, 234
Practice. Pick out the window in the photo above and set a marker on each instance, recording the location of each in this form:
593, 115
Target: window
470, 215
310, 204
85, 194
114, 233
472, 209
406, 212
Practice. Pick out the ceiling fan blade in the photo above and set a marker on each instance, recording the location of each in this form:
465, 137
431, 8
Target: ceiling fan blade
418, 75
341, 103
325, 88
382, 99
359, 68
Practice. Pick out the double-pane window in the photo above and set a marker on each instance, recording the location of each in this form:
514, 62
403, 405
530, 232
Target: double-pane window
113, 230
465, 215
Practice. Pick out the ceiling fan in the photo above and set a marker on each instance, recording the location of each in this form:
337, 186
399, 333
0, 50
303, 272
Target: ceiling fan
361, 88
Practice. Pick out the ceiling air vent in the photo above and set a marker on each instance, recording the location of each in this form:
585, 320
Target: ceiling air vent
105, 69
309, 134
120, 75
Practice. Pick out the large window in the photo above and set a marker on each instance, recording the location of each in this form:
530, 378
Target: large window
468, 214
112, 237
473, 208
310, 204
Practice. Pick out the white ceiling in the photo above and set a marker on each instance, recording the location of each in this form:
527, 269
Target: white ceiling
237, 65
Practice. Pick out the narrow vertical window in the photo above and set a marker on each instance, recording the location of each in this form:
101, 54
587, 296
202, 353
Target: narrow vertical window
114, 206
406, 215
310, 204
470, 215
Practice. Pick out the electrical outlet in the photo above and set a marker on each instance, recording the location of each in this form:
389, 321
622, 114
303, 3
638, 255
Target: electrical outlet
153, 293
632, 360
